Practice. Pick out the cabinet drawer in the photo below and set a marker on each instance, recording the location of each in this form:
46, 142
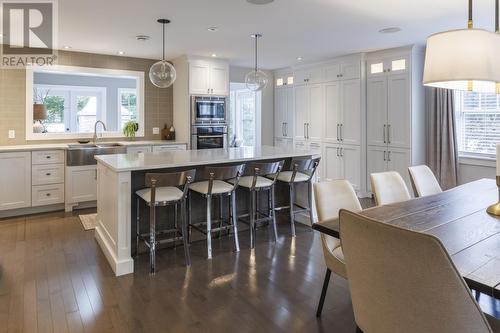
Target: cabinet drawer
169, 148
47, 194
139, 149
47, 157
44, 174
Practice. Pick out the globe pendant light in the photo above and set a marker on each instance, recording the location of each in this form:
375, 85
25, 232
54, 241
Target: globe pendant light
256, 80
162, 74
464, 59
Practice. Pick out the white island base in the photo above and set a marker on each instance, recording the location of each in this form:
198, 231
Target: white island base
114, 189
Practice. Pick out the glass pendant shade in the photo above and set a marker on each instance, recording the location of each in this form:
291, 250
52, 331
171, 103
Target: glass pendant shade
465, 59
162, 74
256, 80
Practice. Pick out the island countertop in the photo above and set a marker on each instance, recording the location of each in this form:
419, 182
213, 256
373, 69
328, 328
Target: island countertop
186, 158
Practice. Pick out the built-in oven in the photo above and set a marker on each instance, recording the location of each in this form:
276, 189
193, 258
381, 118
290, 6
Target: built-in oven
209, 137
208, 110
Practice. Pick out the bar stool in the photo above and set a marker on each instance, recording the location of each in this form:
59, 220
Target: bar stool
255, 183
301, 171
217, 186
162, 189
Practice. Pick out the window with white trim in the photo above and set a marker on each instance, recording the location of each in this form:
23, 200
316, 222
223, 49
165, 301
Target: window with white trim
478, 123
127, 102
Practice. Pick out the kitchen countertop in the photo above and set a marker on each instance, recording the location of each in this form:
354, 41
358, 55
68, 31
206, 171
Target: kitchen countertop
185, 158
63, 146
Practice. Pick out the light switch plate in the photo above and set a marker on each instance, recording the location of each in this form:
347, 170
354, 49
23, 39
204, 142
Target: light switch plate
156, 130
12, 134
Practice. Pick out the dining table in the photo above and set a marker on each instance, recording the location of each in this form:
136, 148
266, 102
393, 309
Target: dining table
458, 218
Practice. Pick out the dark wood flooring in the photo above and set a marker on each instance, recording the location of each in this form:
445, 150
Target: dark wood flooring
54, 278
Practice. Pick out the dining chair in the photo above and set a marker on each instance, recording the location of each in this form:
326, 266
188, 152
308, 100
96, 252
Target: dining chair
389, 187
404, 281
330, 197
423, 181
163, 189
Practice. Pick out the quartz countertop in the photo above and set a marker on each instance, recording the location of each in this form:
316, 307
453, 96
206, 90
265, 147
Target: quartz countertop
187, 158
63, 146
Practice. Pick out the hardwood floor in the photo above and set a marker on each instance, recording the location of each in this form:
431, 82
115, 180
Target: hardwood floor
54, 278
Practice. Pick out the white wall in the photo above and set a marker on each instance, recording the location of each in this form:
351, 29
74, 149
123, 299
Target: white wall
237, 74
471, 169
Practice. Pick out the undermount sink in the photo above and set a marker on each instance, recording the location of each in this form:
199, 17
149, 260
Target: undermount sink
83, 154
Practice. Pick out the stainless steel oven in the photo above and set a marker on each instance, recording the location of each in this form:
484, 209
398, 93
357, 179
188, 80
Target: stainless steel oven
209, 137
208, 110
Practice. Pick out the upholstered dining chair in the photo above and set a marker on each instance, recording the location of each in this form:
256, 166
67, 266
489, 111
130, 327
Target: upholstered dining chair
423, 181
330, 197
404, 281
389, 187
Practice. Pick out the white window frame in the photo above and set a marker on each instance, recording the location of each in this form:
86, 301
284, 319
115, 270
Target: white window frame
119, 93
88, 71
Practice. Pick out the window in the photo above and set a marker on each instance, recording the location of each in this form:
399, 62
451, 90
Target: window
478, 123
244, 116
72, 108
127, 100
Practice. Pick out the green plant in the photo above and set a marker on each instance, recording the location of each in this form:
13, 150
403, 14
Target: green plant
129, 129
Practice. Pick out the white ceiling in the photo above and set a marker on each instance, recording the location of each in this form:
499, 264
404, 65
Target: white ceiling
312, 29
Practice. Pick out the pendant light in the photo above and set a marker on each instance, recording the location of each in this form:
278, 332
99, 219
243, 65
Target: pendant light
256, 80
464, 59
162, 74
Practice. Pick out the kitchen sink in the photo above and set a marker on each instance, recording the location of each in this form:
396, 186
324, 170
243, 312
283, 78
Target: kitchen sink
83, 154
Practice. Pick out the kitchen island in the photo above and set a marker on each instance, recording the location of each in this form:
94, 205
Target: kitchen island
120, 175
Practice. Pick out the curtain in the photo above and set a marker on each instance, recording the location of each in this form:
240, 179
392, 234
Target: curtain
442, 147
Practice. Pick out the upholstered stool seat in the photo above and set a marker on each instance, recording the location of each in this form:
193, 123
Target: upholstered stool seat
286, 176
247, 181
218, 187
163, 194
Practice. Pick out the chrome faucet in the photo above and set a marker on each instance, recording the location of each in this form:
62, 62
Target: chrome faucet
94, 140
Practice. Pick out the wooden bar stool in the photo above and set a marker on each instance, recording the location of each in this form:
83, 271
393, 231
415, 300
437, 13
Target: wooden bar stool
164, 189
256, 182
300, 171
216, 185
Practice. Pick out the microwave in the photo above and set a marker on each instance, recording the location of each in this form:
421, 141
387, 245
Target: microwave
208, 109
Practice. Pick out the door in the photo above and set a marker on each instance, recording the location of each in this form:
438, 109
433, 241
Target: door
288, 112
332, 112
376, 162
350, 70
350, 160
399, 110
350, 129
331, 162
301, 111
316, 113
279, 111
219, 79
199, 73
15, 191
376, 109
81, 183
332, 72
399, 160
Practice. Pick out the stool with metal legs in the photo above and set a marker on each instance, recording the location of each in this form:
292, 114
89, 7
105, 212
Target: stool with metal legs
255, 182
164, 189
301, 171
216, 185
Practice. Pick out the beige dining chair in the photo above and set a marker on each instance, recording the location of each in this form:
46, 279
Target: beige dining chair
389, 187
330, 197
404, 281
423, 181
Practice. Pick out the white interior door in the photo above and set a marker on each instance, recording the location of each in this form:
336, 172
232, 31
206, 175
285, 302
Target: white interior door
399, 111
316, 112
376, 162
351, 112
332, 111
351, 165
301, 111
376, 109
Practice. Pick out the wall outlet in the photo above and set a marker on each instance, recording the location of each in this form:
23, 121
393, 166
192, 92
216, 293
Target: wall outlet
156, 130
12, 134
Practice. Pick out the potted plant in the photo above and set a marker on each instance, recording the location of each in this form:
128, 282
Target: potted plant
39, 111
130, 128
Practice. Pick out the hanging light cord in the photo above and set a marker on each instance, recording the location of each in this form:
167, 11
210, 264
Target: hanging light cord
163, 39
469, 23
497, 30
256, 37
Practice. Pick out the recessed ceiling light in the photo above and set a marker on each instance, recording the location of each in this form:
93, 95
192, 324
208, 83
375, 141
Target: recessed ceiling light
121, 52
213, 29
143, 38
390, 30
299, 58
260, 2
67, 47
214, 55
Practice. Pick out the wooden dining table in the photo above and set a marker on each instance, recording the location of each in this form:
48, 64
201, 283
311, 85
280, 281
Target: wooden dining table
459, 219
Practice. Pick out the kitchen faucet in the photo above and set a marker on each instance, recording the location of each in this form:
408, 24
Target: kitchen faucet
95, 130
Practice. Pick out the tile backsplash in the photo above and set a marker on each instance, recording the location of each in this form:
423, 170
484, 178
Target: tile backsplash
158, 107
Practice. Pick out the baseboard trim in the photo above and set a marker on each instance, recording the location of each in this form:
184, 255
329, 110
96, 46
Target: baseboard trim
31, 210
119, 267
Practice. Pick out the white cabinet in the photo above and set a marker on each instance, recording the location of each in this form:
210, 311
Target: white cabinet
283, 142
283, 112
15, 180
388, 64
343, 162
43, 174
309, 112
47, 177
208, 78
48, 157
376, 110
50, 194
168, 148
343, 70
381, 159
138, 149
309, 75
81, 184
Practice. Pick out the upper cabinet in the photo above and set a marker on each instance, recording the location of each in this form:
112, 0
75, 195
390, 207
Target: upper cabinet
343, 70
283, 80
208, 78
396, 64
309, 75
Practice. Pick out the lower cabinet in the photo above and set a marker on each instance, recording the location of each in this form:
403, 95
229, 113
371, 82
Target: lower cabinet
15, 180
138, 149
283, 142
381, 159
81, 184
43, 195
343, 162
169, 148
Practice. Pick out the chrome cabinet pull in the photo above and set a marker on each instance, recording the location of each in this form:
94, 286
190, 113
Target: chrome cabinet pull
283, 129
337, 151
385, 128
388, 133
286, 129
48, 174
338, 137
389, 156
341, 151
305, 131
384, 156
308, 130
342, 132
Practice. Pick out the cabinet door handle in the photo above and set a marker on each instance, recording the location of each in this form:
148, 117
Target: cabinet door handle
342, 132
388, 133
48, 156
338, 137
48, 194
283, 129
341, 151
308, 130
389, 156
385, 159
286, 129
385, 129
48, 174
305, 131
338, 152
